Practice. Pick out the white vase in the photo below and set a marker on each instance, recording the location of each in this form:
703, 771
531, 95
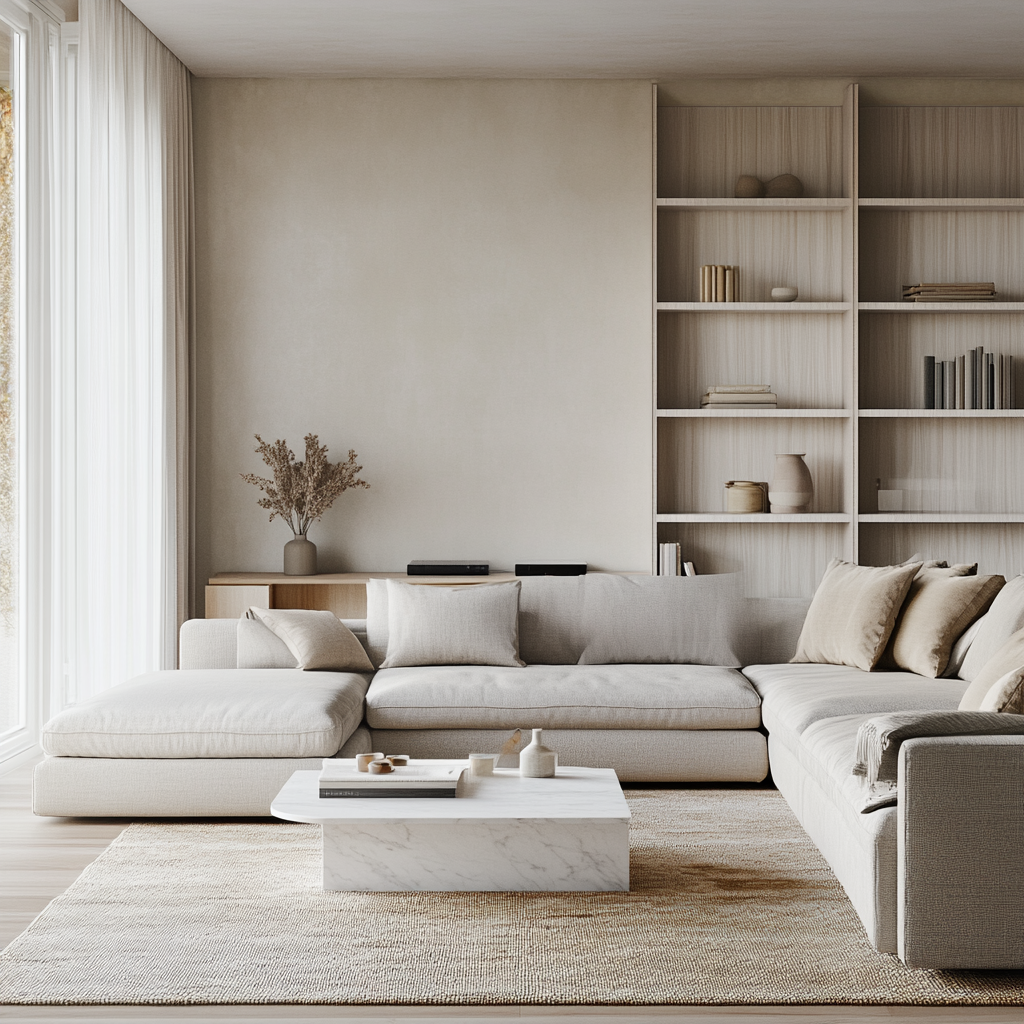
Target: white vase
300, 556
537, 761
791, 488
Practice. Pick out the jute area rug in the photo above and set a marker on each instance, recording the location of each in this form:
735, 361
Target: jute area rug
730, 904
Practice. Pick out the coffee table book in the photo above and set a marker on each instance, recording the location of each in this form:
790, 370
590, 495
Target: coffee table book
341, 779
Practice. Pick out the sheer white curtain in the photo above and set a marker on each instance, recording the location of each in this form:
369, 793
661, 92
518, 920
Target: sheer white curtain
134, 329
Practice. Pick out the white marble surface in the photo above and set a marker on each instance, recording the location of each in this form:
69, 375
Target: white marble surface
504, 833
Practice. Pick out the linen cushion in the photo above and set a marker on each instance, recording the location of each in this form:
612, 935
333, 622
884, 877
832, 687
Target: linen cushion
1004, 618
316, 639
681, 620
260, 647
853, 613
939, 606
1008, 658
961, 647
377, 620
469, 625
218, 713
563, 697
550, 619
1007, 694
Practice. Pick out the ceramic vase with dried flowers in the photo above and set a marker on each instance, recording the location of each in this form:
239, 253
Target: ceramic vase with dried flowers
301, 492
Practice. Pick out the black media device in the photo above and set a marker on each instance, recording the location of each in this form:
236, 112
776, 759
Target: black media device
446, 567
551, 568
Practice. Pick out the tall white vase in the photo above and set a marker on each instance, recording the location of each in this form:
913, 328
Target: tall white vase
791, 489
537, 761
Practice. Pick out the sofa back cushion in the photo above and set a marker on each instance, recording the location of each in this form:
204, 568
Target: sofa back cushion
550, 619
681, 620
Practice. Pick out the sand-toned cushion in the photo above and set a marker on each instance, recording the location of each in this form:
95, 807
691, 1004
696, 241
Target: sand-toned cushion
316, 639
939, 606
1009, 658
1007, 694
853, 613
260, 647
1003, 619
476, 624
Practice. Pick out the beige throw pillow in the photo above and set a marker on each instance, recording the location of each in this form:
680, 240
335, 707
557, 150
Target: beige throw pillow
477, 624
939, 606
853, 613
1004, 618
1006, 695
260, 647
318, 640
1009, 658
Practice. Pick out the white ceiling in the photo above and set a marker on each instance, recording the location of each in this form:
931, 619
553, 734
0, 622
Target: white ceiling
661, 39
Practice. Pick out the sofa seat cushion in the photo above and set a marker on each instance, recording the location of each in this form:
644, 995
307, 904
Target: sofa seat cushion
796, 696
562, 697
213, 713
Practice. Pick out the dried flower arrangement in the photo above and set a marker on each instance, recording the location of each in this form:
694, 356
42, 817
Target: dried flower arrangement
301, 492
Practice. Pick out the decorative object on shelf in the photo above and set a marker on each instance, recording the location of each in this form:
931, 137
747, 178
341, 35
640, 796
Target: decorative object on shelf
719, 283
784, 294
363, 761
382, 767
739, 396
670, 559
398, 760
791, 489
482, 764
889, 500
537, 761
743, 497
785, 186
978, 291
748, 187
977, 380
301, 492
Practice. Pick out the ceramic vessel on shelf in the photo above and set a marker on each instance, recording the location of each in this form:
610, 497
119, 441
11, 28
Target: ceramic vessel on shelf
784, 294
785, 186
537, 761
300, 556
748, 187
791, 488
744, 496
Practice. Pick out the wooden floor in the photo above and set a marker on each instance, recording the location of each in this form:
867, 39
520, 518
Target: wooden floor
41, 857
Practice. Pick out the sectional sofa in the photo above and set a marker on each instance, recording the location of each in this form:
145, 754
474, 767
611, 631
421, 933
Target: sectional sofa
933, 870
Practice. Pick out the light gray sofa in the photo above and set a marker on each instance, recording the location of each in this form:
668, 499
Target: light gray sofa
934, 878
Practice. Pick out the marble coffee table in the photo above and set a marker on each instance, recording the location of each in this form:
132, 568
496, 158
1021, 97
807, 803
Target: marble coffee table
501, 833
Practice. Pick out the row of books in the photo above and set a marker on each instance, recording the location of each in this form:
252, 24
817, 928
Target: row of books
340, 779
977, 380
670, 561
976, 291
719, 283
740, 396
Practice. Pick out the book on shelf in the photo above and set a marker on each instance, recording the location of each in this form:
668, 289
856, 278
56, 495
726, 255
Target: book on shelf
929, 382
340, 779
719, 283
688, 569
739, 396
670, 559
975, 380
977, 291
739, 389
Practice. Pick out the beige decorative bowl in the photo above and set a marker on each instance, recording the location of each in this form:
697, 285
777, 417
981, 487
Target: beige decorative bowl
784, 294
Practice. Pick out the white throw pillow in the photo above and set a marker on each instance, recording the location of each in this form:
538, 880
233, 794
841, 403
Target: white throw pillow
476, 624
377, 620
1008, 659
317, 639
960, 649
1004, 618
260, 647
1006, 694
664, 620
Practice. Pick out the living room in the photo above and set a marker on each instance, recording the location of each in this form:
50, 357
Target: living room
464, 243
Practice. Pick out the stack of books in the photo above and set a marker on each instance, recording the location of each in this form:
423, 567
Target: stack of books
340, 779
719, 283
983, 291
977, 380
670, 561
740, 396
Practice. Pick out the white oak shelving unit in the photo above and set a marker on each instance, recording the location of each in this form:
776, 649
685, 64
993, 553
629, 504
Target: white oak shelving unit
895, 193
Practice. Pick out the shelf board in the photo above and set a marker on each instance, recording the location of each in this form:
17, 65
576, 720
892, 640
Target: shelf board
944, 205
941, 307
757, 307
942, 517
806, 414
940, 414
753, 517
783, 205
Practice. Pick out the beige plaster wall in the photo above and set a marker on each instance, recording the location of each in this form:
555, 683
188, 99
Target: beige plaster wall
451, 277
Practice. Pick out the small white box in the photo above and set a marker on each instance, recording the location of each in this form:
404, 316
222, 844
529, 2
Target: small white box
890, 501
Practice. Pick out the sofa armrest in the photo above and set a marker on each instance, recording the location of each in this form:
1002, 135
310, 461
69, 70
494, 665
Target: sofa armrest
208, 643
960, 835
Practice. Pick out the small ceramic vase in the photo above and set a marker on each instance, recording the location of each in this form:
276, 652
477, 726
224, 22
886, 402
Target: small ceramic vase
791, 488
300, 556
482, 764
537, 761
744, 497
363, 761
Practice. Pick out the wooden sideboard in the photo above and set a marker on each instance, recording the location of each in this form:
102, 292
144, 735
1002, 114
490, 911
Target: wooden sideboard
344, 593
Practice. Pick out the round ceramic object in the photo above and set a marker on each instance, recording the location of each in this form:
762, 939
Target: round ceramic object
380, 767
791, 488
398, 760
482, 764
537, 761
300, 557
784, 294
743, 496
748, 187
363, 761
785, 186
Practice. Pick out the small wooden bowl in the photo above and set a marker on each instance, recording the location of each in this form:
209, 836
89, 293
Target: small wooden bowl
363, 761
381, 767
398, 759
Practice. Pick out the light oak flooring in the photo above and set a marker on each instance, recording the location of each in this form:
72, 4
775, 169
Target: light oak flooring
41, 857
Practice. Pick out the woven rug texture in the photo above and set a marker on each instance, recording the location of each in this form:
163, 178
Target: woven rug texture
730, 904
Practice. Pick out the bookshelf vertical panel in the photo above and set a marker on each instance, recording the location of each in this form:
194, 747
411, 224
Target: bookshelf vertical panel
997, 548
